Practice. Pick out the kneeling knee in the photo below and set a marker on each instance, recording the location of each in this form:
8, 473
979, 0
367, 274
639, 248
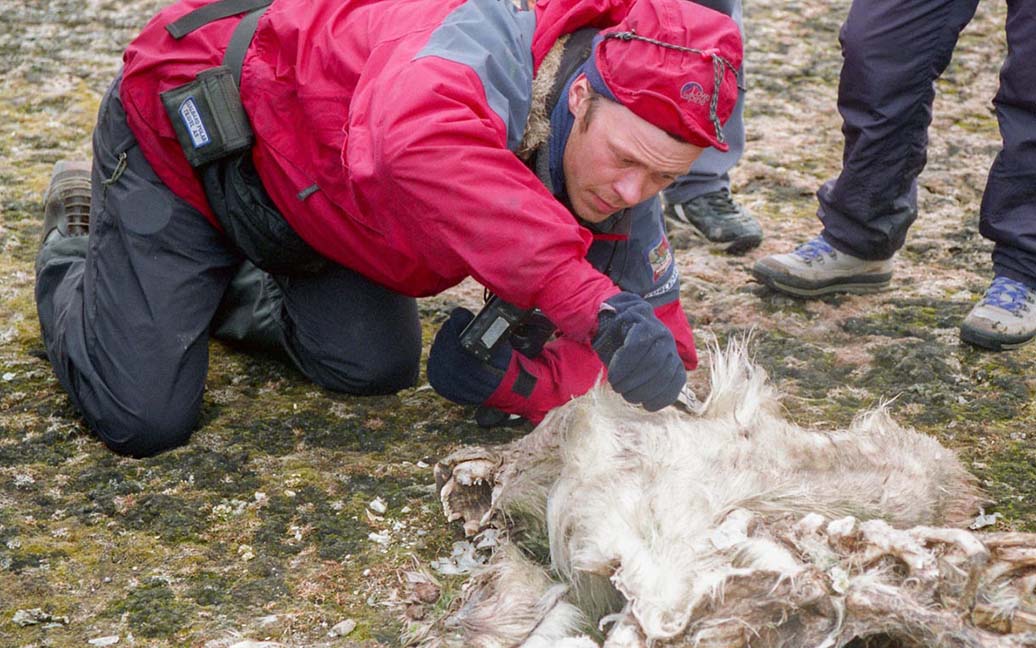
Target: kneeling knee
386, 377
148, 434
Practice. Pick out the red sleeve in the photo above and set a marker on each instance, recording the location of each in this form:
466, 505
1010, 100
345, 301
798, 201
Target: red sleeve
673, 317
565, 369
533, 386
430, 157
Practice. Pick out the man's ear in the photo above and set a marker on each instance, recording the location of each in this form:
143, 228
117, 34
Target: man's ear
578, 95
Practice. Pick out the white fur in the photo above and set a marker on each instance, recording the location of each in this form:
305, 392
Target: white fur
652, 513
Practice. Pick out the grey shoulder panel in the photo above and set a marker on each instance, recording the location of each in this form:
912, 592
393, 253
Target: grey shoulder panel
493, 39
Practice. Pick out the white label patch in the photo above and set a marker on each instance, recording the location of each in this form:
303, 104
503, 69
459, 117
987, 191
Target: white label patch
192, 120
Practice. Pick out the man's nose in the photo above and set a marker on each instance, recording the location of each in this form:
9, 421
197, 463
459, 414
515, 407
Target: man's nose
631, 186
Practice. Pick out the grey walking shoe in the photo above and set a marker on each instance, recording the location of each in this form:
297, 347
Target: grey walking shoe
815, 268
719, 219
66, 203
1005, 317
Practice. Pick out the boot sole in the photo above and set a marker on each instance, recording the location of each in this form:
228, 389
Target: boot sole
992, 343
852, 285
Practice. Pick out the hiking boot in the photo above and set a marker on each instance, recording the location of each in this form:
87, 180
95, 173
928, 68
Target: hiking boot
1005, 317
816, 268
66, 203
719, 219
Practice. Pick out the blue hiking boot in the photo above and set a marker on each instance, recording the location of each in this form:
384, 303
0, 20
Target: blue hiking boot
1005, 317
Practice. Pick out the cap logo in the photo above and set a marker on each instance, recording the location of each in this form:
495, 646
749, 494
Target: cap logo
693, 92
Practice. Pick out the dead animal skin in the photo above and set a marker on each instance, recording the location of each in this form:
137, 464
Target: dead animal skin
730, 528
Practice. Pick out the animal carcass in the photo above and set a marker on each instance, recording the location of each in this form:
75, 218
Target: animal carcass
729, 527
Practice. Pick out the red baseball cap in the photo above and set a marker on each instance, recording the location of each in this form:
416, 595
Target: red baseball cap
673, 63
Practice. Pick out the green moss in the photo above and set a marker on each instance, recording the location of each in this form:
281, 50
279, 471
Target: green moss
153, 610
208, 588
31, 556
916, 318
102, 481
1009, 476
225, 473
814, 370
174, 518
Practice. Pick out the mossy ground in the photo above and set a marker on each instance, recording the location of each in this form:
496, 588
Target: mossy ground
260, 526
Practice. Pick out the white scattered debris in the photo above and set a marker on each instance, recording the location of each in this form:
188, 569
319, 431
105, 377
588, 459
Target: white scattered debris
405, 509
36, 616
382, 538
342, 629
245, 552
269, 620
378, 506
462, 560
260, 497
110, 640
982, 520
9, 376
227, 509
23, 480
421, 464
290, 493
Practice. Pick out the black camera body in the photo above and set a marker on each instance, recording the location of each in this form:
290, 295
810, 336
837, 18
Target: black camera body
527, 330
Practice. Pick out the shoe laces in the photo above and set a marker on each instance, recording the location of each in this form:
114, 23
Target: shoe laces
1009, 295
722, 203
814, 250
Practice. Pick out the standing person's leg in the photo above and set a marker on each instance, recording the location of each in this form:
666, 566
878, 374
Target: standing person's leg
701, 199
893, 50
125, 311
1006, 315
341, 330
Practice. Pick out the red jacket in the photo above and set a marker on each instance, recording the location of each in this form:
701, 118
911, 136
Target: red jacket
417, 186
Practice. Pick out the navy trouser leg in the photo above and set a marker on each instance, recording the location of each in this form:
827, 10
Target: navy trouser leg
893, 50
1008, 215
125, 312
711, 171
341, 330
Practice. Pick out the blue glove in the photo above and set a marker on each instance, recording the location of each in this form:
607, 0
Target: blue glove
639, 351
458, 375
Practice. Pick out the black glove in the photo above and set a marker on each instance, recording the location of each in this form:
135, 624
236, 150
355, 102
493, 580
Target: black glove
639, 351
458, 375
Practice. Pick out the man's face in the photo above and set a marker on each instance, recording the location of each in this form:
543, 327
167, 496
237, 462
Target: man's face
615, 159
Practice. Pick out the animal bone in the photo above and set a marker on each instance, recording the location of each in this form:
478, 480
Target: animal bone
734, 527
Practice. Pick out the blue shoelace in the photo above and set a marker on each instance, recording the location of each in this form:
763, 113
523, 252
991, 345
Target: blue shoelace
812, 250
1008, 294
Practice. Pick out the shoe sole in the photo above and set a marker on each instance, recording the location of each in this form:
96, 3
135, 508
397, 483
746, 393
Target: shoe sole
852, 285
991, 343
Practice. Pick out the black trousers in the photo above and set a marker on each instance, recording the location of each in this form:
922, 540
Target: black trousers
127, 312
894, 51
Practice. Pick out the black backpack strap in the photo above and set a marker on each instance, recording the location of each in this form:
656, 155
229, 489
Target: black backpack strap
211, 13
234, 55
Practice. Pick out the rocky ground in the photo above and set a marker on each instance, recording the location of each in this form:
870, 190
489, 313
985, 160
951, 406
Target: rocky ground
295, 515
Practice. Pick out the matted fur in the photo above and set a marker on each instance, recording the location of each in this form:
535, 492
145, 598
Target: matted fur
716, 529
